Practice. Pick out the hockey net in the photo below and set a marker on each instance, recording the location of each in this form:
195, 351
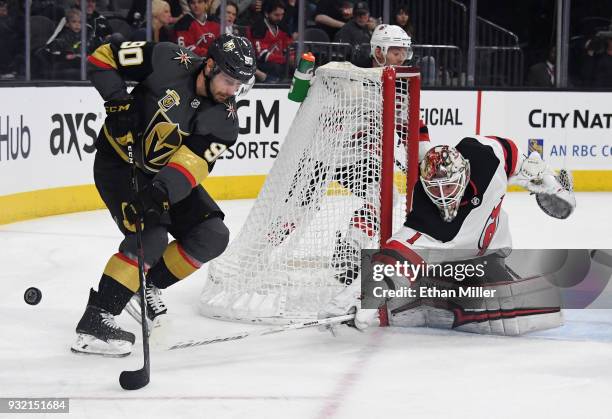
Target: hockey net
339, 183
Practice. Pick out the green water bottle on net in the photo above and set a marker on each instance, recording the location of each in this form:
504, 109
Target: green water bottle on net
301, 78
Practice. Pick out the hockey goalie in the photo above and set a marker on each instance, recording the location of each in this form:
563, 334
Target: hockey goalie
457, 218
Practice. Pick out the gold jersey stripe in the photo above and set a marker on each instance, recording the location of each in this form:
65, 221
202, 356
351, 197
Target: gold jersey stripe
193, 164
115, 146
177, 264
104, 53
124, 271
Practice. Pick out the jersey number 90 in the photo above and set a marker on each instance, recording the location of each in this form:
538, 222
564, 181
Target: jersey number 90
131, 53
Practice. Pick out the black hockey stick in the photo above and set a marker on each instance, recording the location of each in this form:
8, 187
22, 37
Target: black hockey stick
133, 380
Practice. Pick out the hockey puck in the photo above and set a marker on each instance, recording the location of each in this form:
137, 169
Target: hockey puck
32, 296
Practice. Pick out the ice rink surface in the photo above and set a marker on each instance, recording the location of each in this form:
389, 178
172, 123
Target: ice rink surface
382, 373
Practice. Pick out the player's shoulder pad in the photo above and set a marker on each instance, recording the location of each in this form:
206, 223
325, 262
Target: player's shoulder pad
175, 56
184, 23
505, 149
219, 120
476, 147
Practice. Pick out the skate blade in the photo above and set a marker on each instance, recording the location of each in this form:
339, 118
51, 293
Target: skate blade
133, 309
90, 345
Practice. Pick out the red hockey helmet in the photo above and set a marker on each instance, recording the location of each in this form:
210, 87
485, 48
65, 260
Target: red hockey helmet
444, 174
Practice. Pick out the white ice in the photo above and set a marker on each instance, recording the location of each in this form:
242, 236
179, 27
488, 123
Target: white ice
382, 373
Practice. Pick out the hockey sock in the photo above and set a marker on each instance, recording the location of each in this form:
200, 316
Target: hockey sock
112, 296
175, 265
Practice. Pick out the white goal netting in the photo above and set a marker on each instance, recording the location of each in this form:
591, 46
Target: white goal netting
319, 205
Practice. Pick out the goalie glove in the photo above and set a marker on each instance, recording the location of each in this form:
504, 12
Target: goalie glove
348, 301
562, 202
554, 192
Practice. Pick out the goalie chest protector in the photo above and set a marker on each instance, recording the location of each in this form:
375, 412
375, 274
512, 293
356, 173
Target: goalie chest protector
480, 223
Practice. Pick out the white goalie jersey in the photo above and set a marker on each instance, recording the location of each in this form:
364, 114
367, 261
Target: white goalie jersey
481, 225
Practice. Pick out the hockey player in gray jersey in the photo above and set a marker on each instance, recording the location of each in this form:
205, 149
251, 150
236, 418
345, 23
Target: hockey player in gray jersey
180, 117
457, 219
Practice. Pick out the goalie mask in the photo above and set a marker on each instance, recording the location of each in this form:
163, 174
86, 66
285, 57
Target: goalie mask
444, 174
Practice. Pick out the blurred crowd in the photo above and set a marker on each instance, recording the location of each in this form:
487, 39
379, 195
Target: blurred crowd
271, 25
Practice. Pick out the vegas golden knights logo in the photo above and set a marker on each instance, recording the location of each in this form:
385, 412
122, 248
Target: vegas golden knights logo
161, 142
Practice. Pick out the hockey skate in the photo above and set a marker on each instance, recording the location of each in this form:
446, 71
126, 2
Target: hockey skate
156, 309
98, 334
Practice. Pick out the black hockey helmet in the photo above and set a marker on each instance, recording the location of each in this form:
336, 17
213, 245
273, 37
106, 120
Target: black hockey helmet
234, 55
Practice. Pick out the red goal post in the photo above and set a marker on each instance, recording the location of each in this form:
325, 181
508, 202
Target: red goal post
390, 76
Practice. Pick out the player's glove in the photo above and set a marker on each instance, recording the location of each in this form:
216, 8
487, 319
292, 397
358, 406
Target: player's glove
554, 192
348, 301
121, 117
151, 205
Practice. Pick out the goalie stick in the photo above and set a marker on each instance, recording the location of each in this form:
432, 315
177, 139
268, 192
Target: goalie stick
269, 331
133, 380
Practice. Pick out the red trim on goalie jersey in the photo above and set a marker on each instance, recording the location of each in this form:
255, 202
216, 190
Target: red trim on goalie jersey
510, 153
184, 172
414, 238
396, 251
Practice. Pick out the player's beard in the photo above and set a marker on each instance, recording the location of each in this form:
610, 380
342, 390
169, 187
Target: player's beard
213, 93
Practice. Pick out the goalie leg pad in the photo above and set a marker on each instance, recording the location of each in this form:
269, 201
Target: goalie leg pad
515, 308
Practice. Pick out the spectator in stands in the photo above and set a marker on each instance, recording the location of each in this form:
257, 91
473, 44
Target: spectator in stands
137, 13
271, 41
231, 13
178, 8
64, 51
331, 15
47, 8
10, 36
543, 74
597, 65
242, 5
160, 11
357, 33
403, 20
291, 18
195, 30
251, 14
98, 29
